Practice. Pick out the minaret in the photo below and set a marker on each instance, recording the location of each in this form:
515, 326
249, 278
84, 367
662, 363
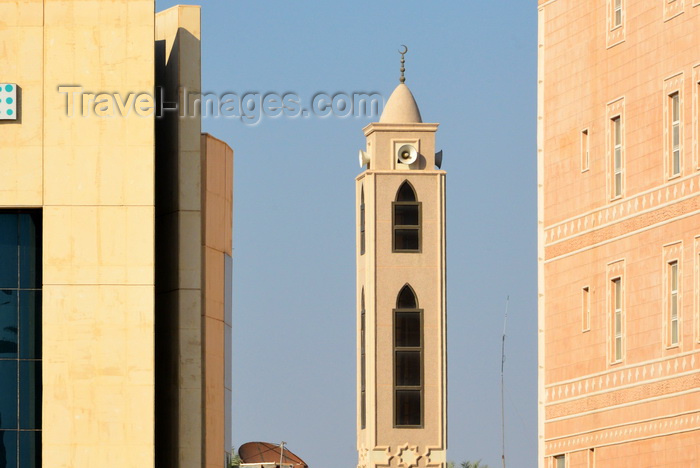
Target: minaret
401, 309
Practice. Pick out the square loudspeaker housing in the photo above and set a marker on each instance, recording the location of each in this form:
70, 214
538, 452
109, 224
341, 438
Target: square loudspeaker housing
8, 101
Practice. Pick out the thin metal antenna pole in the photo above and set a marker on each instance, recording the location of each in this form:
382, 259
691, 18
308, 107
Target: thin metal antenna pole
282, 452
503, 361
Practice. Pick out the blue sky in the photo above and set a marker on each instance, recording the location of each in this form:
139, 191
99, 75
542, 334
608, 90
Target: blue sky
472, 68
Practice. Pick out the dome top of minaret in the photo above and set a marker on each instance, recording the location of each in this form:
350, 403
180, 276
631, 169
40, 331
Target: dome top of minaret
401, 107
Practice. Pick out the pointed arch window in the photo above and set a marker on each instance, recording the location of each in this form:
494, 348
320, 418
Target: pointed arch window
406, 220
408, 360
362, 221
363, 380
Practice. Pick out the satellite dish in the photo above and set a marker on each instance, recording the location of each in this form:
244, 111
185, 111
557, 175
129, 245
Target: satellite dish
407, 154
364, 158
438, 159
265, 452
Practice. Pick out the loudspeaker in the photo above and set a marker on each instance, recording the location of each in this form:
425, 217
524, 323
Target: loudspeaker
364, 158
407, 154
438, 159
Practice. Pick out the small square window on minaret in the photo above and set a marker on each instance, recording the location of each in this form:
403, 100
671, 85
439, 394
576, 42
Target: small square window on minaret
8, 101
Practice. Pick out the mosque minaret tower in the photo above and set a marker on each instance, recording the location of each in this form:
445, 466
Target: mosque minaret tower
401, 292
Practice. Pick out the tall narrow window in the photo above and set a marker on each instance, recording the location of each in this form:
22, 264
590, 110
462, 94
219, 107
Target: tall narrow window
673, 302
672, 293
560, 461
675, 146
408, 360
363, 398
585, 152
617, 156
696, 117
362, 221
407, 220
617, 318
673, 124
20, 339
617, 13
697, 289
586, 308
615, 22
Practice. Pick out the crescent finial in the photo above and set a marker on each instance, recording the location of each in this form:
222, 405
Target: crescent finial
402, 79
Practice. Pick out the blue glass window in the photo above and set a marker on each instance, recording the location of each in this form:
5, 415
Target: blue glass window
8, 394
9, 324
29, 251
8, 448
9, 251
29, 324
20, 339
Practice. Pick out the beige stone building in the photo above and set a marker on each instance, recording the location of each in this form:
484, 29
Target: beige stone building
115, 241
401, 347
619, 233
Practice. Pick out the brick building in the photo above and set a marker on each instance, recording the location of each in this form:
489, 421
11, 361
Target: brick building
619, 233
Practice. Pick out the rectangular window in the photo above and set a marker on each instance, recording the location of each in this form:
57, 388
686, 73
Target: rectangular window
20, 339
560, 461
591, 458
675, 143
586, 308
617, 13
671, 293
673, 302
673, 125
615, 22
696, 116
617, 318
617, 156
585, 151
